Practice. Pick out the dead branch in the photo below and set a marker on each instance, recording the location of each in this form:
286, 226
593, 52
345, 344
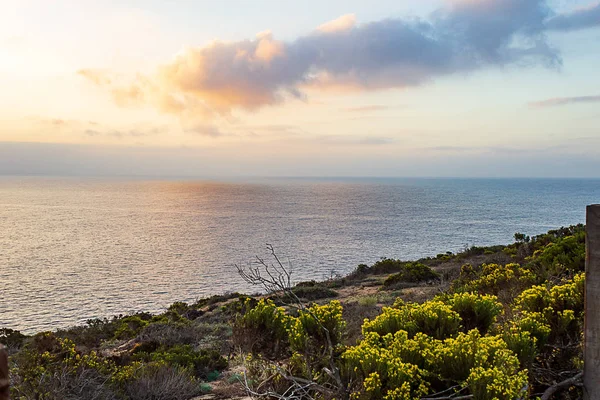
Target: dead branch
276, 279
443, 395
574, 380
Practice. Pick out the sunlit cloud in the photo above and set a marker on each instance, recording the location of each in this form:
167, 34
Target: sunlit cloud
563, 101
207, 82
341, 24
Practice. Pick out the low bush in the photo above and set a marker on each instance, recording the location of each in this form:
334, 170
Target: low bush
314, 292
564, 257
169, 333
308, 329
386, 266
367, 301
559, 307
395, 366
12, 339
433, 318
411, 273
221, 298
475, 311
505, 281
159, 381
202, 363
263, 328
50, 368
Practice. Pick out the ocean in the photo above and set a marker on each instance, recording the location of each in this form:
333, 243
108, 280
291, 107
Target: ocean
78, 248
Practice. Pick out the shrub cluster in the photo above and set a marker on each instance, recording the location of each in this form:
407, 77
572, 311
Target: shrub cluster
411, 273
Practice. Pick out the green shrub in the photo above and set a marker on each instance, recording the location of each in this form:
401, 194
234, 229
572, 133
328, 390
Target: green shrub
523, 343
307, 331
433, 318
263, 329
377, 367
565, 256
560, 307
314, 292
50, 368
361, 269
179, 307
396, 366
367, 301
12, 339
386, 266
315, 336
411, 273
535, 324
504, 281
201, 362
129, 326
216, 299
476, 311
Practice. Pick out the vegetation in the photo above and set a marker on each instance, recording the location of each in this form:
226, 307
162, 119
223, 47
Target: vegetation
500, 322
411, 273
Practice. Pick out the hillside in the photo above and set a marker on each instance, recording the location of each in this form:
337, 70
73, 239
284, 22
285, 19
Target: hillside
500, 322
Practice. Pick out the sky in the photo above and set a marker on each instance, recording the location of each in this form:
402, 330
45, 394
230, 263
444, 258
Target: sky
233, 88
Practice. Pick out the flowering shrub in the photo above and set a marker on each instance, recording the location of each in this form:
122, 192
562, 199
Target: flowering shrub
559, 307
433, 318
378, 365
315, 337
566, 255
393, 366
51, 368
552, 319
307, 331
494, 279
523, 344
263, 328
476, 311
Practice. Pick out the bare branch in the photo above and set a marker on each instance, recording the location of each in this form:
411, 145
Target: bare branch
443, 395
573, 381
276, 279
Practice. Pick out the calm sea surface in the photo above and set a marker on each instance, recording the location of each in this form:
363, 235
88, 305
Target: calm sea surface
78, 248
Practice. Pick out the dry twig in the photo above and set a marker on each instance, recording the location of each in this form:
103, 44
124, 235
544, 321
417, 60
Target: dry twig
561, 385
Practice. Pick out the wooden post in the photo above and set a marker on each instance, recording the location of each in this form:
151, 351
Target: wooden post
4, 378
591, 368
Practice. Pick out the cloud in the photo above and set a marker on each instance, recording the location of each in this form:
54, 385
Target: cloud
347, 140
53, 123
343, 23
563, 101
204, 130
120, 134
585, 17
463, 36
96, 76
489, 149
365, 108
